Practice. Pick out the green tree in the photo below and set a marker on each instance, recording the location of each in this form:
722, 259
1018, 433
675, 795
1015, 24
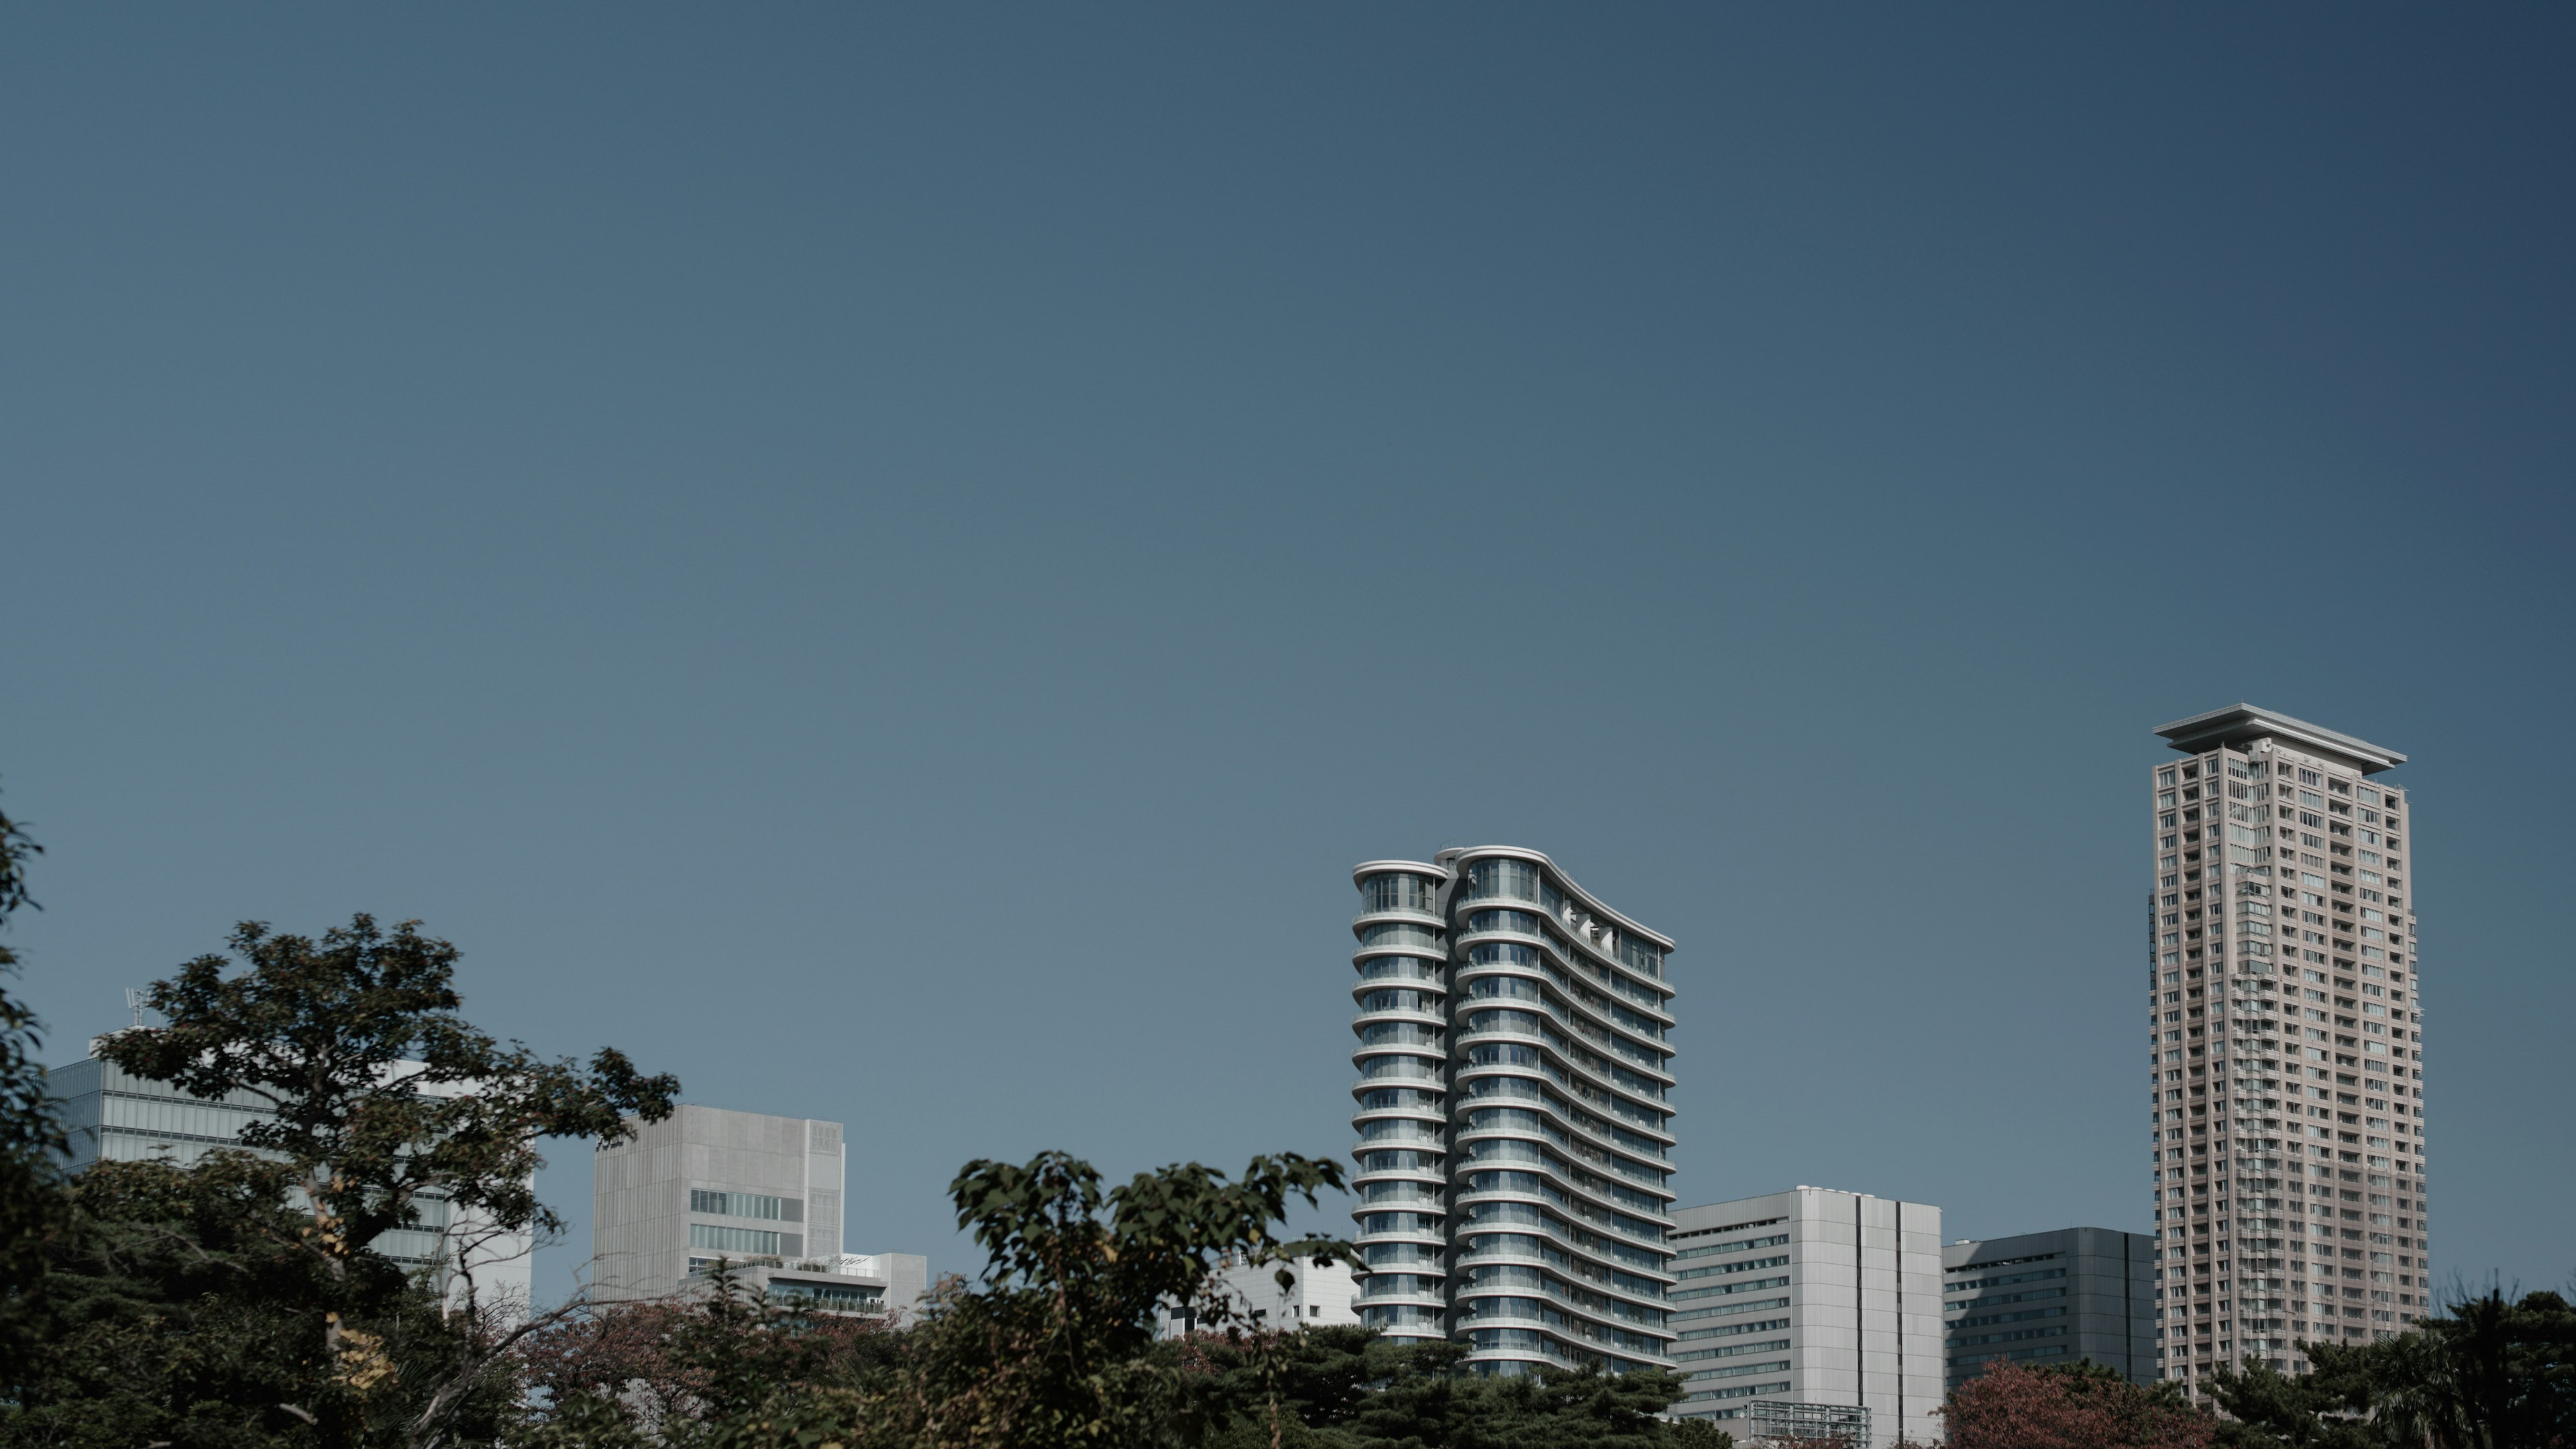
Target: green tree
1249, 1385
673, 1373
1057, 1346
1347, 1388
385, 1099
32, 1209
1698, 1433
179, 1311
2325, 1408
2496, 1373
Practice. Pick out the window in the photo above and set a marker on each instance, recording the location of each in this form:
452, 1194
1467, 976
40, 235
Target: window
2164, 777
734, 1240
1512, 878
1395, 892
849, 1298
746, 1205
2309, 777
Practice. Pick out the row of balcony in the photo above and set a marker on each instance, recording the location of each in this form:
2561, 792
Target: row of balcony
1607, 970
1491, 975
1594, 1088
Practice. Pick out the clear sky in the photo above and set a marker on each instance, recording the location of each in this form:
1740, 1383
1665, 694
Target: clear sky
889, 561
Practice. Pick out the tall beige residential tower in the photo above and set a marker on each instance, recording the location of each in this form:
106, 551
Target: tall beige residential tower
2285, 1045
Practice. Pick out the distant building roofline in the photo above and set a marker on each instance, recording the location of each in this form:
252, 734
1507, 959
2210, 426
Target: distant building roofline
2241, 722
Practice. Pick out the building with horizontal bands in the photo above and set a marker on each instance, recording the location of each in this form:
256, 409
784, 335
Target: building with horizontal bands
2053, 1297
1810, 1313
1514, 1113
2285, 1044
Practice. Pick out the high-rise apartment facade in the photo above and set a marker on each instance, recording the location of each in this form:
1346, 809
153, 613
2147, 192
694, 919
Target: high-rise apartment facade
1812, 1313
1514, 1121
2285, 1040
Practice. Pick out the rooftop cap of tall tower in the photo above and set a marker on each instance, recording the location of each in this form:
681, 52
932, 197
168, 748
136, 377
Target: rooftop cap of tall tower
2239, 723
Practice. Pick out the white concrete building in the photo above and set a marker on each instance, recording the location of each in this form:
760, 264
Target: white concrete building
2285, 1057
760, 1192
1514, 1114
1319, 1296
1809, 1310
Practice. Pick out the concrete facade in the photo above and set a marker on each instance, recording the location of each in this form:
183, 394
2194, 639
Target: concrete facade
1514, 1116
114, 1116
1797, 1303
869, 1285
1320, 1296
706, 1183
2285, 1044
2053, 1297
763, 1193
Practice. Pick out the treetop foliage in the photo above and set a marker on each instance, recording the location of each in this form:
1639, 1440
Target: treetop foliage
241, 1299
2082, 1405
2496, 1373
31, 1131
381, 1089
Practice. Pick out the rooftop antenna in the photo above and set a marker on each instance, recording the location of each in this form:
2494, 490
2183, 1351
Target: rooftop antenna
134, 1003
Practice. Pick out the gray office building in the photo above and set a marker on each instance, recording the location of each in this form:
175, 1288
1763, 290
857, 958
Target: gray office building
2049, 1298
760, 1193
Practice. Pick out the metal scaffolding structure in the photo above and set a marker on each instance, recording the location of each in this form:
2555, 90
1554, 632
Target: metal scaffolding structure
1782, 1421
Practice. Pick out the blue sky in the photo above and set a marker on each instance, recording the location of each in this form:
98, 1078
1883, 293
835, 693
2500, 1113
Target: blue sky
889, 561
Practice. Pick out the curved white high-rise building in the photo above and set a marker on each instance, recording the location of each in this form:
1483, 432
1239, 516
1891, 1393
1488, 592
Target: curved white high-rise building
1514, 1121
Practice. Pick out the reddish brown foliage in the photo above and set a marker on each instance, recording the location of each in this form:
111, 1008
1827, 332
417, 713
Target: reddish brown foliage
680, 1358
2011, 1406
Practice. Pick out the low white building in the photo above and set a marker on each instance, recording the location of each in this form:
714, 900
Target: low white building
1809, 1313
870, 1285
1318, 1296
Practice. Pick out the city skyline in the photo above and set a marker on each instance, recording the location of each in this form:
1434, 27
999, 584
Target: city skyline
1405, 905
855, 556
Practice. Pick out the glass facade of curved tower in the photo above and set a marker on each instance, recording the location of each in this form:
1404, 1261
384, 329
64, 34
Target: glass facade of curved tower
1515, 1128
